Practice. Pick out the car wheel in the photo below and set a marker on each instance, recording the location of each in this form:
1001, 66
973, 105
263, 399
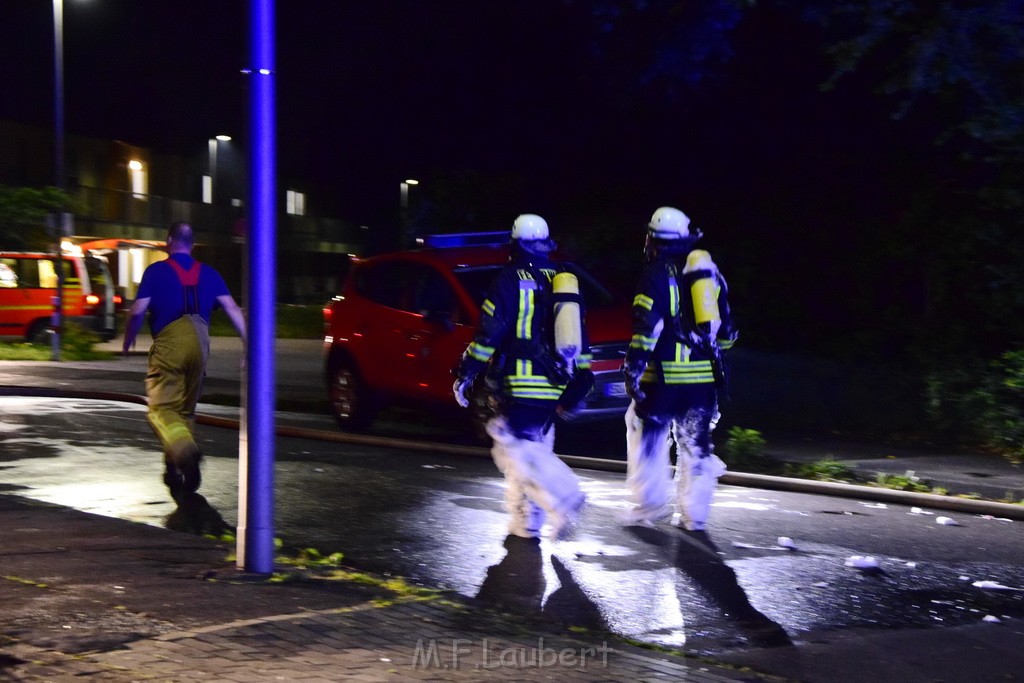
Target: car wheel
39, 332
352, 402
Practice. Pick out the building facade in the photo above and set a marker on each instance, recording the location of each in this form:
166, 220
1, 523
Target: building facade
128, 195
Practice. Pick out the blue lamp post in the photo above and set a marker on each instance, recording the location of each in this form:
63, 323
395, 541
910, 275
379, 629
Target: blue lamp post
256, 494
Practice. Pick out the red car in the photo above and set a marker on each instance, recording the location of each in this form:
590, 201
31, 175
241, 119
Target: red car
403, 320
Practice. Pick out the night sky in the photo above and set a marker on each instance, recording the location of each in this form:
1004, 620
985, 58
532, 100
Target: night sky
589, 113
549, 98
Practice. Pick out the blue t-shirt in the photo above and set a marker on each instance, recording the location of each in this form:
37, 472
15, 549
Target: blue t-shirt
160, 284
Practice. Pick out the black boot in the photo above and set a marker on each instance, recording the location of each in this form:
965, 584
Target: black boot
181, 470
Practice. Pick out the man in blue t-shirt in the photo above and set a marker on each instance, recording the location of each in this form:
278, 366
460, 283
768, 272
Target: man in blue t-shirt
180, 294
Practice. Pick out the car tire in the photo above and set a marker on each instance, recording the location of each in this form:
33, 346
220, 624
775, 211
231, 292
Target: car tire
352, 403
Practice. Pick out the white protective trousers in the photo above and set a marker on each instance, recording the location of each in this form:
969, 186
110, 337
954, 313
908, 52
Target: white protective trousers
539, 484
649, 468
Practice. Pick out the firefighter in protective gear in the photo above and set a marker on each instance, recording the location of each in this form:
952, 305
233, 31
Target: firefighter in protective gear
675, 375
515, 349
179, 293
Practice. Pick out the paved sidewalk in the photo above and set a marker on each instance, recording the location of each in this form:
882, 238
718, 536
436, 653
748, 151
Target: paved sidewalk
99, 598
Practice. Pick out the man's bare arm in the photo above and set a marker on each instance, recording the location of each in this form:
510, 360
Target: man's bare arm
136, 316
234, 313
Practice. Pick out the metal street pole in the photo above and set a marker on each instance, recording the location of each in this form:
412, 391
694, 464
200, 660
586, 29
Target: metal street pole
406, 240
214, 148
56, 320
256, 525
212, 154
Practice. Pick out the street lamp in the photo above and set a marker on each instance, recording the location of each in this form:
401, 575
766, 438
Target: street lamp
403, 204
404, 191
213, 143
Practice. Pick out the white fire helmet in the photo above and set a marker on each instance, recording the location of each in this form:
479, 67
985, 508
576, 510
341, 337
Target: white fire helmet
530, 226
669, 224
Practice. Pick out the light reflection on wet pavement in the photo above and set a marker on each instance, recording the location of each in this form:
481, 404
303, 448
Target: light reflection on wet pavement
438, 520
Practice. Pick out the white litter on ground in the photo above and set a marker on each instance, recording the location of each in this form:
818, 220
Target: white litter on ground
992, 619
946, 521
912, 565
919, 511
997, 519
880, 506
786, 542
862, 562
750, 546
995, 586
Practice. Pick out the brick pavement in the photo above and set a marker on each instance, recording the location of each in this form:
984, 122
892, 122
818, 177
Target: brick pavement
84, 597
373, 641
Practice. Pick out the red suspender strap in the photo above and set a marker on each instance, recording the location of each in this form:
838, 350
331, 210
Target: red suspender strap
188, 278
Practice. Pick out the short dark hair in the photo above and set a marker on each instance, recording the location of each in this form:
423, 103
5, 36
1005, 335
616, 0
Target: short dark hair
181, 232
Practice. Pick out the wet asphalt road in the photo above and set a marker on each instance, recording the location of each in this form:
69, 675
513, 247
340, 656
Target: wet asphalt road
437, 520
300, 385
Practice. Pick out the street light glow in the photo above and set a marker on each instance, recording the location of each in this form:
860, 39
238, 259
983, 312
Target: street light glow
411, 181
135, 165
224, 138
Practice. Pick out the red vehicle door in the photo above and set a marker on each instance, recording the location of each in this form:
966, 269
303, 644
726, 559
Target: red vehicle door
442, 331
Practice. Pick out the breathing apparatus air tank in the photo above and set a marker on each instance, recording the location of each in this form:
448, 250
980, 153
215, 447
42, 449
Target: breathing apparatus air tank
704, 292
568, 326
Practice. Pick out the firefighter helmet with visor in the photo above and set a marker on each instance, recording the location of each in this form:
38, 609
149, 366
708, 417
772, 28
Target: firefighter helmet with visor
668, 223
529, 226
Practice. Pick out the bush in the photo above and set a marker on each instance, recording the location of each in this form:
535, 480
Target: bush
744, 449
76, 341
822, 470
1002, 396
983, 402
291, 322
902, 482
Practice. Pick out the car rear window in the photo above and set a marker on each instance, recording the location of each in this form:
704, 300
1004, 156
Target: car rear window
383, 283
477, 281
412, 287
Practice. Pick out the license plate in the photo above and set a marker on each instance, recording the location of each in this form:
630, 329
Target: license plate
615, 389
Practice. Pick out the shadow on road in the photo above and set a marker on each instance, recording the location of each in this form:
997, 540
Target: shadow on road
517, 584
195, 515
695, 554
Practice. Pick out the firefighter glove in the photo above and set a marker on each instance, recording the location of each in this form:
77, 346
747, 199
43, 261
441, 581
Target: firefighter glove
461, 390
633, 372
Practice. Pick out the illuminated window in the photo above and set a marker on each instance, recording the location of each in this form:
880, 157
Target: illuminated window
138, 264
8, 278
122, 268
207, 189
295, 203
138, 178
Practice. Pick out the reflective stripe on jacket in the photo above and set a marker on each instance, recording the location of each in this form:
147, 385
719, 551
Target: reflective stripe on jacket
514, 332
662, 325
